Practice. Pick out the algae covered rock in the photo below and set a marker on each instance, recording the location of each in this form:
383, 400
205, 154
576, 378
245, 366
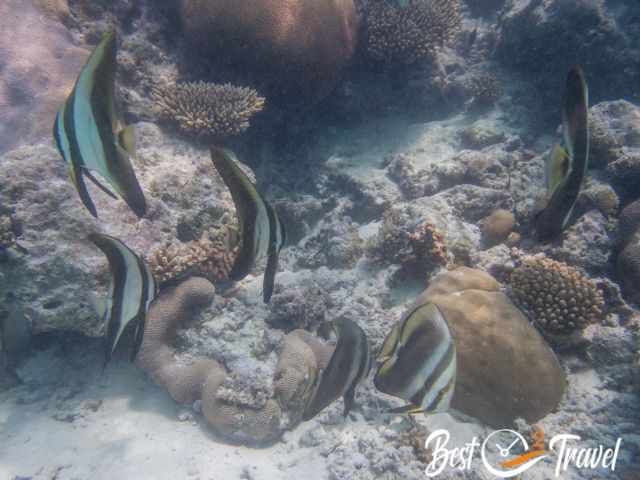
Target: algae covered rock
505, 368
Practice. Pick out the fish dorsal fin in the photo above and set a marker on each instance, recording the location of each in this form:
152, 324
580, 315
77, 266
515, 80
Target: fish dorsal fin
127, 140
558, 167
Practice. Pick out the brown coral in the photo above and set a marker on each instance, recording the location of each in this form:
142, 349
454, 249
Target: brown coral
210, 257
408, 33
208, 109
183, 378
558, 298
421, 247
497, 227
299, 46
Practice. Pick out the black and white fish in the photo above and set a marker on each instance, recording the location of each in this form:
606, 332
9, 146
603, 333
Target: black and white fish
417, 361
90, 135
566, 165
261, 232
348, 366
131, 291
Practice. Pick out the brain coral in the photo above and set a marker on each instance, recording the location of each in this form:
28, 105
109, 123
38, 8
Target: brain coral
559, 299
496, 347
304, 44
208, 109
408, 33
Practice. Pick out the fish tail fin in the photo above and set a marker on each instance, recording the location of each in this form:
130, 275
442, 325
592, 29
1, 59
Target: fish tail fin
349, 400
269, 276
128, 185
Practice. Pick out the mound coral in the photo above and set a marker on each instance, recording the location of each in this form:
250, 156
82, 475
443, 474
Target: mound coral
496, 348
559, 299
210, 257
208, 109
405, 34
420, 247
497, 227
300, 46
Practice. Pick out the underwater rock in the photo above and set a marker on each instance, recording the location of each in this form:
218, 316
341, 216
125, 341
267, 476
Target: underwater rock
614, 126
628, 223
7, 235
496, 348
628, 270
183, 378
497, 227
299, 46
40, 64
298, 307
559, 299
601, 40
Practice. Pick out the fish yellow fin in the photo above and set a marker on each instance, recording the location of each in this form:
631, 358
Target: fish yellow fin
127, 140
409, 409
558, 166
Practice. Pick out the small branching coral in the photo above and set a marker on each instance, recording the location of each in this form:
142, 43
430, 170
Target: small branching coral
207, 109
421, 247
485, 89
412, 32
559, 299
210, 257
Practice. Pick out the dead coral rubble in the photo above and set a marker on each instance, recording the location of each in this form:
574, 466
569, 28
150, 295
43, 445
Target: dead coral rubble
559, 299
209, 109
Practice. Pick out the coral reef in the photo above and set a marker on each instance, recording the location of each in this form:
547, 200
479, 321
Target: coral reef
407, 33
497, 227
301, 307
40, 64
628, 223
7, 237
184, 378
559, 299
299, 46
420, 248
484, 89
207, 109
628, 270
496, 347
210, 257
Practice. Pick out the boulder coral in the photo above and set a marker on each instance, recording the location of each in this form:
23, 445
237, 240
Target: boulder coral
208, 110
305, 44
497, 227
559, 298
505, 368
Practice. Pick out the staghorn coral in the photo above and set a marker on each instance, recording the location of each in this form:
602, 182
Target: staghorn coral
182, 377
420, 247
210, 257
299, 48
558, 298
208, 109
405, 34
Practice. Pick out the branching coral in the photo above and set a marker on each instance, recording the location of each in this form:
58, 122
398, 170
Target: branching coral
559, 299
408, 33
210, 257
485, 89
421, 247
208, 109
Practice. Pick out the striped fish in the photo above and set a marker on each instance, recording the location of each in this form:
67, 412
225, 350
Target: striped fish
567, 166
417, 361
131, 292
349, 365
261, 233
90, 137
